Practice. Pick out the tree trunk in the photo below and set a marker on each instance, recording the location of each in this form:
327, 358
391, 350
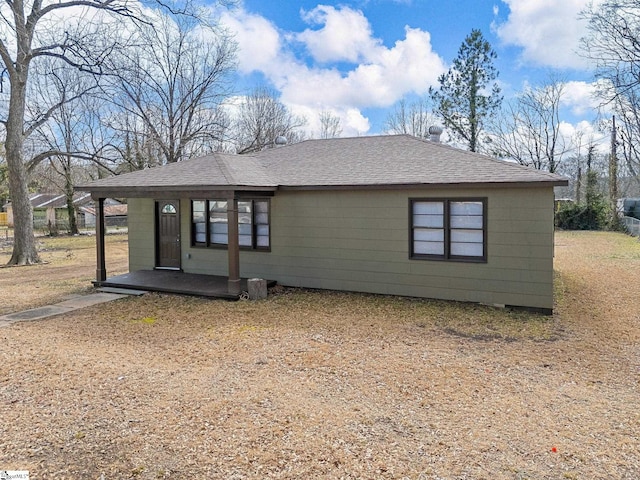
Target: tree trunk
67, 164
24, 245
71, 212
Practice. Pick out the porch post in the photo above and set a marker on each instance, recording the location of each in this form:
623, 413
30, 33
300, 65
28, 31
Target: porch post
101, 270
233, 249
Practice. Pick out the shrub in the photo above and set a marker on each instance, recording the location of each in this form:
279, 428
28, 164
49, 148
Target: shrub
594, 216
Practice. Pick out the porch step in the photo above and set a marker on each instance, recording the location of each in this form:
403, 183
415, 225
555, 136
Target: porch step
122, 291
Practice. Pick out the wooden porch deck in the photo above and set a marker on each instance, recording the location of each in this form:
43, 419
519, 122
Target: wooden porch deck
173, 281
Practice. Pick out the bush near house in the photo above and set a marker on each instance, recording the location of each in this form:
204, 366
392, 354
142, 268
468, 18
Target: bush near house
596, 214
583, 217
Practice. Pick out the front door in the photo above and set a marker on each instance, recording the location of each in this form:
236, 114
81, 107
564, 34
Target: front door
168, 234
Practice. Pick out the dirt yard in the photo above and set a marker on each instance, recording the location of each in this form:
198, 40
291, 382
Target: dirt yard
326, 385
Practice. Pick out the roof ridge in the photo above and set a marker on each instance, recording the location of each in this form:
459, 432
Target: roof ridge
226, 173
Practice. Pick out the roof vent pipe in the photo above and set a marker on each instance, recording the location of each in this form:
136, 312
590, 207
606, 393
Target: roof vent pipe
434, 133
280, 140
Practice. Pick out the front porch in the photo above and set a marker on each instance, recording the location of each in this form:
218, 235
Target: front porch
174, 281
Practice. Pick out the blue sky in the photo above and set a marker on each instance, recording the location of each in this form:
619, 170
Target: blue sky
356, 59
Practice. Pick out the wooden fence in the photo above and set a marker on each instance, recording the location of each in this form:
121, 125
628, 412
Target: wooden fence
3, 219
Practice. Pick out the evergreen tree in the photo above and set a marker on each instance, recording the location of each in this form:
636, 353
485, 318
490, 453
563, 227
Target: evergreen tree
462, 100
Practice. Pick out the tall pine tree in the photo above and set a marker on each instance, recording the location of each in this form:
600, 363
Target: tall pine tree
468, 93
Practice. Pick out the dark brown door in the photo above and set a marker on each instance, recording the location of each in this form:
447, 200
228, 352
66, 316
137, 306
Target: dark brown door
168, 234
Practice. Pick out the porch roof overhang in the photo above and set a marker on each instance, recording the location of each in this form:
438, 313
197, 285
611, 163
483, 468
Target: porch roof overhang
173, 191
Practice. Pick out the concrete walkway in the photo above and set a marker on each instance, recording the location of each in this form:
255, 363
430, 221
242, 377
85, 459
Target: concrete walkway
69, 305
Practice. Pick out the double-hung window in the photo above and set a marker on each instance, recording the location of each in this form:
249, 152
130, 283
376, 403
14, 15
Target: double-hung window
449, 229
210, 227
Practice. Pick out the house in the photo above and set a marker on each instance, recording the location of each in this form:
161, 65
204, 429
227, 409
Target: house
383, 214
115, 214
50, 211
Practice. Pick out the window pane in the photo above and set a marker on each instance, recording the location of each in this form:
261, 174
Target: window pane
428, 208
428, 248
218, 206
262, 240
433, 221
218, 222
197, 211
169, 209
220, 238
244, 229
262, 218
468, 236
198, 218
244, 240
466, 208
261, 206
218, 217
467, 249
219, 228
244, 207
458, 221
428, 235
262, 229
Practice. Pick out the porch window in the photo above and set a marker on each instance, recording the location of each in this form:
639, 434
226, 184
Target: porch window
448, 229
210, 227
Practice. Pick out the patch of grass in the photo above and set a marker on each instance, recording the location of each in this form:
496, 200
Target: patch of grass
145, 321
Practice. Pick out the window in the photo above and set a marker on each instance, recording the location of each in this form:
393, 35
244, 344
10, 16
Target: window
448, 229
210, 226
169, 209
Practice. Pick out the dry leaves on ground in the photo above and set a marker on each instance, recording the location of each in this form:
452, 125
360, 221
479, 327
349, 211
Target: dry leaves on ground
312, 384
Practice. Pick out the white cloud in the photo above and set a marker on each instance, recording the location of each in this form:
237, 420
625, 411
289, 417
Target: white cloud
345, 35
549, 31
258, 40
377, 76
582, 134
580, 97
352, 122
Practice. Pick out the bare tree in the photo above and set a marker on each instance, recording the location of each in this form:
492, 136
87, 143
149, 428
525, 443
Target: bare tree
68, 140
83, 41
529, 129
329, 125
79, 34
612, 43
169, 93
261, 119
627, 113
411, 119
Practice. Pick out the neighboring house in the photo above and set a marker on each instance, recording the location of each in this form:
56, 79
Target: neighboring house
115, 214
629, 207
50, 210
383, 214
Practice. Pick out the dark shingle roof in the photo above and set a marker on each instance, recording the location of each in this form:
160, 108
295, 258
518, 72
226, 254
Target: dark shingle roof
389, 160
342, 162
216, 170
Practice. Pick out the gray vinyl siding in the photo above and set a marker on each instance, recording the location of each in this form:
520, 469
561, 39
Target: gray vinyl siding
359, 241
